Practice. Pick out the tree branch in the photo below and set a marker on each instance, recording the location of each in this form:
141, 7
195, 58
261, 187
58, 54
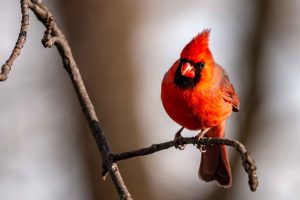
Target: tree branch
248, 162
54, 36
20, 41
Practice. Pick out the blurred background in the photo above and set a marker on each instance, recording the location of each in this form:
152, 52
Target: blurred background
123, 49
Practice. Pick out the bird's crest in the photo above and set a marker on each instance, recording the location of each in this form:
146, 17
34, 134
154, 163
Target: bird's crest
197, 46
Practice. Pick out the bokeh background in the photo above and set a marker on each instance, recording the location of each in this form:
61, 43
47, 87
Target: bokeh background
123, 49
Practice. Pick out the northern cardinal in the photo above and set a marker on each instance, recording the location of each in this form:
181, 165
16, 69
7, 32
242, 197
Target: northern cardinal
197, 94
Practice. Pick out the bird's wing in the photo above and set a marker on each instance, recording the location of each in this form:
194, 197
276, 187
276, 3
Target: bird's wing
228, 92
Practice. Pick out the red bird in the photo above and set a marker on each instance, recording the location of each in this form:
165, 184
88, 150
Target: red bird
197, 94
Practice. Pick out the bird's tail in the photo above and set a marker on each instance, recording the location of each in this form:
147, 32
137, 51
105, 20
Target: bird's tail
214, 160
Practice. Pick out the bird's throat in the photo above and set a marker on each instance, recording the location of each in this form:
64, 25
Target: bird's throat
186, 82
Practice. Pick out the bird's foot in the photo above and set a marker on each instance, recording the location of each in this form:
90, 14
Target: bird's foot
178, 140
202, 148
200, 135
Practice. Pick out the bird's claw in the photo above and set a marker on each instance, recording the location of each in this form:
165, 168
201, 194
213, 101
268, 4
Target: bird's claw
200, 135
202, 148
178, 140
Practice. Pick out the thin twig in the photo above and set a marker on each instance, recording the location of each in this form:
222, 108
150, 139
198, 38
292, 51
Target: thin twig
20, 41
248, 162
54, 36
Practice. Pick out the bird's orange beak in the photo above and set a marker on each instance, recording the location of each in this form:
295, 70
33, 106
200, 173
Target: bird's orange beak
187, 70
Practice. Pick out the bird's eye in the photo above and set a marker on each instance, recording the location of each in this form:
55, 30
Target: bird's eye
200, 65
